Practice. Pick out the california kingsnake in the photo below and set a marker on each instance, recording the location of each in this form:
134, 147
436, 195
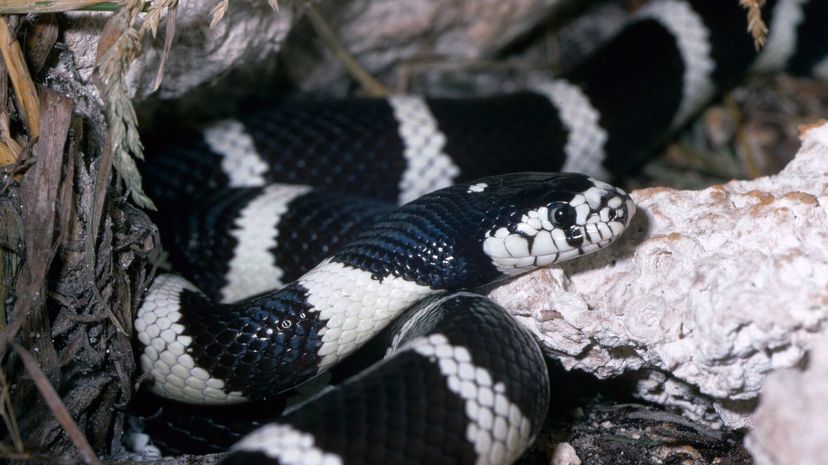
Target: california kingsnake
603, 117
459, 237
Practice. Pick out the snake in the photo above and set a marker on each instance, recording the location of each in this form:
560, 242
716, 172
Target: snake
460, 237
314, 225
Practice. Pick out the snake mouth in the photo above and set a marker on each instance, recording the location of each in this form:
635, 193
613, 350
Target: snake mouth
593, 220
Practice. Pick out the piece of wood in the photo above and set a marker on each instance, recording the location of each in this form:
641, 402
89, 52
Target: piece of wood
24, 88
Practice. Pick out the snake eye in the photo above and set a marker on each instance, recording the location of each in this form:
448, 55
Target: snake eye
562, 215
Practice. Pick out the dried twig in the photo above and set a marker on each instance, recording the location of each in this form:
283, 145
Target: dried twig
7, 413
59, 410
369, 84
756, 26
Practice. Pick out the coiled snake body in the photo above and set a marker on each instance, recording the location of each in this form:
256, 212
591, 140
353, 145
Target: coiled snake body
458, 237
465, 385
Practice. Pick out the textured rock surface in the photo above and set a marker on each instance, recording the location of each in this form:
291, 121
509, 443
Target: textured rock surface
249, 32
791, 423
381, 34
378, 33
707, 293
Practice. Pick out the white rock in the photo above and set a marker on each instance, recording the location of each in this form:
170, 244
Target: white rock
706, 293
565, 454
382, 34
791, 423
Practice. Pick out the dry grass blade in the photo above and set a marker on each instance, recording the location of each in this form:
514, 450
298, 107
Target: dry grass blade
274, 4
24, 88
151, 22
756, 26
56, 406
169, 33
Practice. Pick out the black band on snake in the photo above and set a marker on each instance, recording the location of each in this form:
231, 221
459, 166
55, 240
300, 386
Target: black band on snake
310, 270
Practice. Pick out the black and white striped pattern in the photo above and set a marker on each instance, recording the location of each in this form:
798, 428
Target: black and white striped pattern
271, 342
602, 117
253, 268
428, 167
199, 352
499, 394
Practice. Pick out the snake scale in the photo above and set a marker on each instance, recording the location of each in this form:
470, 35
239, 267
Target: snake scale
297, 253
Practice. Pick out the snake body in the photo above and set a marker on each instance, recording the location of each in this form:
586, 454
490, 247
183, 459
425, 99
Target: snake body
459, 237
302, 198
443, 397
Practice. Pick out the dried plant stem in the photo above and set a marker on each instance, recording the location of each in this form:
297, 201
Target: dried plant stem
371, 86
151, 22
118, 45
56, 405
756, 26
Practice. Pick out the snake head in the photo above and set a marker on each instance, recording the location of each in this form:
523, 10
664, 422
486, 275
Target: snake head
561, 217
